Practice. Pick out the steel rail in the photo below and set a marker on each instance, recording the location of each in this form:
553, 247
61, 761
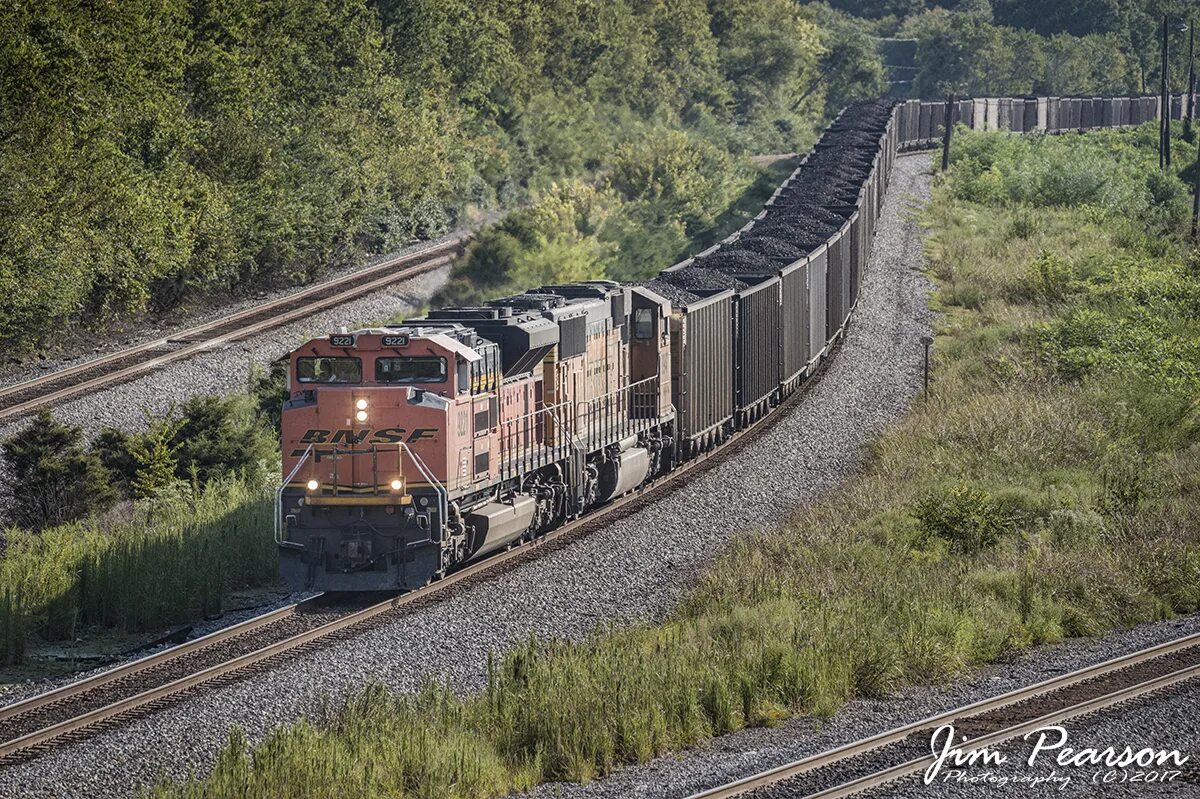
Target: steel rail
1083, 708
413, 264
151, 661
800, 767
600, 516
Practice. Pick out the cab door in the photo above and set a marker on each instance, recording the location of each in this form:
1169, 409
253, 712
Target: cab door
482, 424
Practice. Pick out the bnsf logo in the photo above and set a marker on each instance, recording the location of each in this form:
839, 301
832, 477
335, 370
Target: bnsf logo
387, 435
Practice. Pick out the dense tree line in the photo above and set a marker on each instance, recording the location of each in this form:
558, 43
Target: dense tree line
1043, 46
155, 147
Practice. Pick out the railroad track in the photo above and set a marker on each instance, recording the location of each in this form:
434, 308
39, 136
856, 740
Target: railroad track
121, 366
905, 751
80, 709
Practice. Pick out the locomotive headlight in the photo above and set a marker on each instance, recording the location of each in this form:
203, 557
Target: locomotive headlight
397, 484
361, 415
361, 405
313, 485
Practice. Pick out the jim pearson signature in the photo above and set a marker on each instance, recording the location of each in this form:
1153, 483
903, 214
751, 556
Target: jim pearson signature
1050, 749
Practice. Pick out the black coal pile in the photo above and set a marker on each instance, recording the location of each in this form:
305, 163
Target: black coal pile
805, 210
804, 233
699, 280
773, 248
733, 259
821, 193
670, 291
850, 138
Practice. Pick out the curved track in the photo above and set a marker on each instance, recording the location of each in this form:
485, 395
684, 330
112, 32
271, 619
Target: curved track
25, 397
905, 751
40, 723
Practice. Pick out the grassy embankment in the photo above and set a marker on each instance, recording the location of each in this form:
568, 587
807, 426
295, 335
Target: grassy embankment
1047, 487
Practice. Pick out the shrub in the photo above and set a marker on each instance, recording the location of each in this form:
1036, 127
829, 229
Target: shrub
1024, 224
218, 436
51, 477
965, 516
269, 390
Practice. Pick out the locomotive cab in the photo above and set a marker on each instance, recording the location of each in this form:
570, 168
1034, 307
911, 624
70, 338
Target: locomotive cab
378, 429
411, 450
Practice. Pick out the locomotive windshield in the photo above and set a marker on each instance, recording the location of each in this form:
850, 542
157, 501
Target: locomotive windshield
428, 369
329, 370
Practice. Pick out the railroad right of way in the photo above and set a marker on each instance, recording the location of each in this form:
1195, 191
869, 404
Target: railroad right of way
635, 568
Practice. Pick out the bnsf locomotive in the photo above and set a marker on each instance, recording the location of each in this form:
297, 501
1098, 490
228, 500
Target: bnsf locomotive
410, 450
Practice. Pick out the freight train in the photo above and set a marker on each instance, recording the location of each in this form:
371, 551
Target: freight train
412, 449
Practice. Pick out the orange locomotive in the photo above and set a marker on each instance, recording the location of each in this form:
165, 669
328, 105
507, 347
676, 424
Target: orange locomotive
415, 448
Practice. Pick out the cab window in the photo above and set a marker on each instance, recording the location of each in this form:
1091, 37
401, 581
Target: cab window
329, 370
420, 369
643, 323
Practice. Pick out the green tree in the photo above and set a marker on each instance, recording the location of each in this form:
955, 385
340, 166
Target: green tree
51, 477
154, 455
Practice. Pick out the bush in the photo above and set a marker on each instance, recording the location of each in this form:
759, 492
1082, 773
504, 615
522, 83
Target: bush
207, 438
965, 516
51, 477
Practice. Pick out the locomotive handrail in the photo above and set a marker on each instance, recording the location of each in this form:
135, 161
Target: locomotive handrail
443, 496
279, 495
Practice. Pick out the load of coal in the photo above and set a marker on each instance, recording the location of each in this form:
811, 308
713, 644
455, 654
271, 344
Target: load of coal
734, 259
802, 232
851, 138
801, 210
699, 280
841, 160
676, 295
833, 181
848, 174
825, 193
775, 249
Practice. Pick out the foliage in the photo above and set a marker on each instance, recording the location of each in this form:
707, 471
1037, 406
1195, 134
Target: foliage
851, 66
138, 573
1111, 172
51, 477
156, 150
966, 54
156, 147
963, 515
269, 390
154, 457
1010, 507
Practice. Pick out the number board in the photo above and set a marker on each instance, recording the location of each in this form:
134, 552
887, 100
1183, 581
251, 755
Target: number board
341, 340
394, 341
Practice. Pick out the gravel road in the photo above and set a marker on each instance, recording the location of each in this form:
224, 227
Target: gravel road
635, 568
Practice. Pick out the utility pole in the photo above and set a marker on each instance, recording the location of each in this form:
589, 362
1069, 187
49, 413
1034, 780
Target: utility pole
1166, 96
1196, 196
1191, 84
949, 128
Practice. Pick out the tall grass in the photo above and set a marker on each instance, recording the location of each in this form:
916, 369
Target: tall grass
1047, 486
166, 563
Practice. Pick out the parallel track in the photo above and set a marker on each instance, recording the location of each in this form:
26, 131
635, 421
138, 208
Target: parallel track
25, 397
905, 751
77, 710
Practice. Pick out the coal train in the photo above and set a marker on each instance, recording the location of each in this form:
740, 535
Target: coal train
412, 449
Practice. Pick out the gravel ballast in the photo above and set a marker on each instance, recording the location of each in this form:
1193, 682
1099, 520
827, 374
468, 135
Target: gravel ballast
635, 568
228, 368
742, 754
1165, 721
